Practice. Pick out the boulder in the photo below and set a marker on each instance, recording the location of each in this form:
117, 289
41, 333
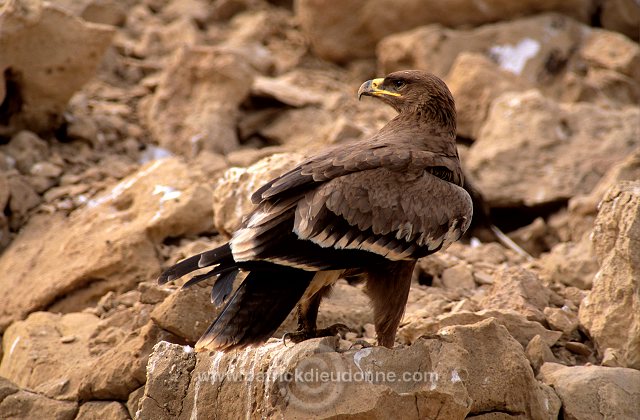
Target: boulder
475, 82
195, 106
27, 405
108, 244
594, 392
98, 410
475, 369
232, 194
613, 304
621, 16
523, 330
519, 290
351, 30
38, 72
49, 353
564, 59
534, 151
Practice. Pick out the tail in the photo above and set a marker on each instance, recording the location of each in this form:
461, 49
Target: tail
220, 257
256, 309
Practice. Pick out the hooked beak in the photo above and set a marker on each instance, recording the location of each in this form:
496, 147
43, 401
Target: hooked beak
372, 88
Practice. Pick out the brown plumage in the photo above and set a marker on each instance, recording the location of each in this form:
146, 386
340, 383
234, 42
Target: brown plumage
371, 207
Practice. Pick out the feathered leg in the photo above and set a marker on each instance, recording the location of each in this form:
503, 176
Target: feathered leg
388, 288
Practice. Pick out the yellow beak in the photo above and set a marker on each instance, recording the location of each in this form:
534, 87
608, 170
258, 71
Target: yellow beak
372, 88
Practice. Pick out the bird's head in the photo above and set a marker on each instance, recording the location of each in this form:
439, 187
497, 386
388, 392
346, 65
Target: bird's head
414, 92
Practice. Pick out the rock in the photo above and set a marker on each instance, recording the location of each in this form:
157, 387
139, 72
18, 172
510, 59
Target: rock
7, 388
133, 400
195, 106
37, 67
462, 371
286, 91
22, 199
108, 12
109, 244
170, 365
46, 169
232, 194
499, 375
570, 263
519, 290
562, 319
26, 149
550, 52
29, 405
518, 326
459, 276
351, 30
122, 369
613, 304
300, 128
475, 82
621, 16
538, 353
186, 313
37, 359
594, 392
529, 140
612, 51
98, 410
521, 46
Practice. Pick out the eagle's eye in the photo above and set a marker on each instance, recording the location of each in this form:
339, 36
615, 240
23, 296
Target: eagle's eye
398, 84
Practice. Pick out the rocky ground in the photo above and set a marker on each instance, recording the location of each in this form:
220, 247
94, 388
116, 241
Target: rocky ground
132, 132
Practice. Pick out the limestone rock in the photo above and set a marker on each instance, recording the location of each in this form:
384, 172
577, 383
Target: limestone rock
538, 353
519, 290
186, 313
26, 148
170, 365
562, 319
98, 410
195, 105
621, 16
475, 82
613, 305
570, 263
29, 405
107, 245
232, 194
122, 369
532, 150
464, 370
564, 59
49, 353
37, 67
352, 29
518, 326
594, 392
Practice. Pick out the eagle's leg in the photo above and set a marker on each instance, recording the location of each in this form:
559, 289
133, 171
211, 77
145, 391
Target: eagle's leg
388, 288
308, 316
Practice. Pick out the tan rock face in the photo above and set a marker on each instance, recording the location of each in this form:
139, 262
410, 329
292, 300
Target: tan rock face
108, 245
594, 392
195, 105
613, 305
533, 151
621, 16
559, 56
475, 82
49, 353
443, 377
352, 29
38, 72
232, 194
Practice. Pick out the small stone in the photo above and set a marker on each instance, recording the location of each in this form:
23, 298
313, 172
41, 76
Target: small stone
369, 330
613, 358
68, 339
46, 169
562, 319
578, 348
460, 276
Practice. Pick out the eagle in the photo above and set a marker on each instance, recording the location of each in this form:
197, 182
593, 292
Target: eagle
367, 209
